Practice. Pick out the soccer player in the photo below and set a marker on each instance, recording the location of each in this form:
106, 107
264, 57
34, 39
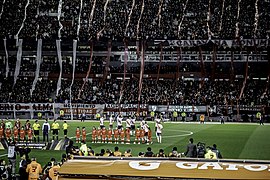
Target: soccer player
36, 127
132, 125
111, 121
8, 134
159, 132
109, 135
1, 132
103, 134
65, 128
116, 135
150, 136
27, 126
146, 130
84, 134
78, 135
22, 134
30, 134
15, 133
98, 135
55, 129
18, 123
101, 122
119, 122
94, 134
122, 135
127, 135
45, 129
142, 132
137, 135
34, 170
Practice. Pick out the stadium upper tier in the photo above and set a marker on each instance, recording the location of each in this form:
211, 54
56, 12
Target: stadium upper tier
151, 19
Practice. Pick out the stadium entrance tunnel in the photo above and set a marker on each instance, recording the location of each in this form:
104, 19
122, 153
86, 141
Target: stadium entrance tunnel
162, 168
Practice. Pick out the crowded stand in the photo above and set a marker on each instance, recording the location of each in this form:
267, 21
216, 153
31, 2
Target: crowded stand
144, 19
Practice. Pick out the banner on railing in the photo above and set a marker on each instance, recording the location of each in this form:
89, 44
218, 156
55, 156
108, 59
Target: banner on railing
170, 108
125, 107
219, 42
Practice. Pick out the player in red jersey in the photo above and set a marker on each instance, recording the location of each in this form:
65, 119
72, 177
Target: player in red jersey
109, 135
1, 132
122, 135
127, 135
84, 134
8, 134
137, 135
98, 135
94, 135
22, 134
150, 136
78, 135
104, 134
116, 135
15, 133
142, 132
30, 134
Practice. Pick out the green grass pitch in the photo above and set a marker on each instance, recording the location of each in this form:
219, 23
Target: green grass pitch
235, 141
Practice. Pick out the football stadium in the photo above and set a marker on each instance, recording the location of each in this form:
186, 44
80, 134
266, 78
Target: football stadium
134, 89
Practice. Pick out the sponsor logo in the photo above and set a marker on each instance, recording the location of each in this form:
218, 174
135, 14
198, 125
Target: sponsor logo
151, 165
144, 165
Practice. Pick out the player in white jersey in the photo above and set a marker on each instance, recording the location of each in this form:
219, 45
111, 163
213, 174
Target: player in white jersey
159, 132
119, 122
101, 122
146, 130
111, 120
132, 125
128, 123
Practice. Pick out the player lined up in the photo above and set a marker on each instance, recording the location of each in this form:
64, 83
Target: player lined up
28, 132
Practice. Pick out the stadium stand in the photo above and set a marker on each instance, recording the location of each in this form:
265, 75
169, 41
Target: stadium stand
65, 59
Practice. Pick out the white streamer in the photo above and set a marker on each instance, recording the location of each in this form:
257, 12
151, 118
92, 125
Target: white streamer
6, 52
73, 75
180, 24
38, 61
2, 10
59, 54
138, 24
129, 16
58, 17
208, 19
79, 20
25, 14
237, 18
256, 17
92, 14
18, 62
159, 12
104, 19
221, 16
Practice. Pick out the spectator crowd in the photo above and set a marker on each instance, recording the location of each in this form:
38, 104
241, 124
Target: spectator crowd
151, 19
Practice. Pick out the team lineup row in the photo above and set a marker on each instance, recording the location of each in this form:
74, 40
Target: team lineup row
101, 134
